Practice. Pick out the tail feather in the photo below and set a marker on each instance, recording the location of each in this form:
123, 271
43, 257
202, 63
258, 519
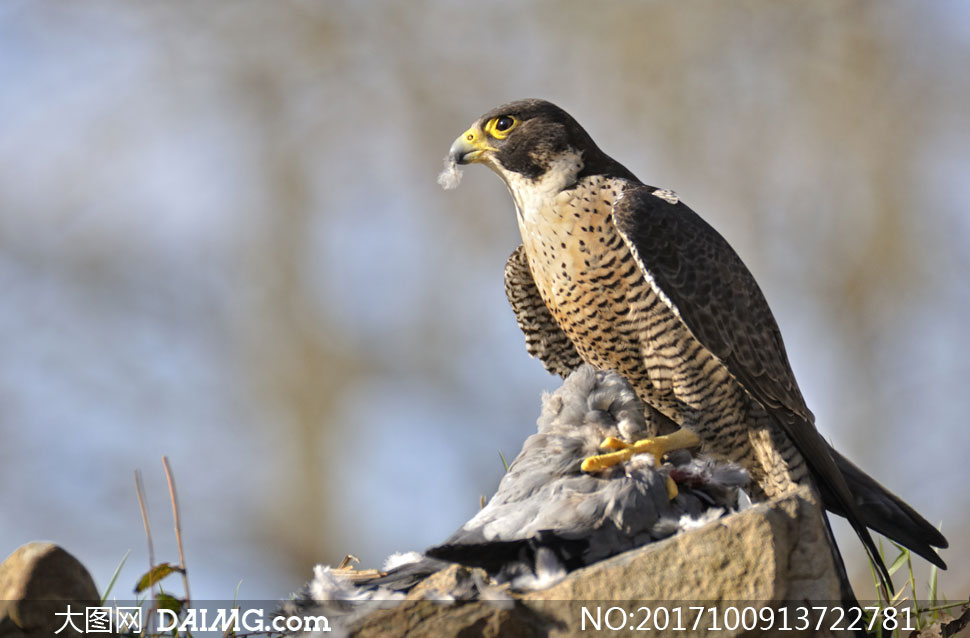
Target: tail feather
886, 513
849, 601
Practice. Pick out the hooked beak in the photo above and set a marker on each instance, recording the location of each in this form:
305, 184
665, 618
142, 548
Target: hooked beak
469, 147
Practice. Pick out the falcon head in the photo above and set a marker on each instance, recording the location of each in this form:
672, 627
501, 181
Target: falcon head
534, 140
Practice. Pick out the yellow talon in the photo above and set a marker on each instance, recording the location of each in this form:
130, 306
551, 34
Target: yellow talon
613, 443
602, 461
672, 490
658, 446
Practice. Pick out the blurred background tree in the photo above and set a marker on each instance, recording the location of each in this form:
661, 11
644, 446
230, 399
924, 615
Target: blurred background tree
221, 240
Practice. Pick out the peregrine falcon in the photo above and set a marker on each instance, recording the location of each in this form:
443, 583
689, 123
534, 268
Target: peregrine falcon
626, 277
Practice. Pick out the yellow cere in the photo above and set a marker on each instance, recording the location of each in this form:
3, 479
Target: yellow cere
475, 138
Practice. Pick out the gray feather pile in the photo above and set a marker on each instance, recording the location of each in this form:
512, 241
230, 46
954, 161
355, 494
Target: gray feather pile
547, 517
546, 501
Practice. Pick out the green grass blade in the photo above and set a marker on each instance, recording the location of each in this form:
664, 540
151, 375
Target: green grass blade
934, 576
114, 577
899, 562
917, 613
875, 580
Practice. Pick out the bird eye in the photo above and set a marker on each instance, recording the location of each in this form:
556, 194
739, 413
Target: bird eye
499, 127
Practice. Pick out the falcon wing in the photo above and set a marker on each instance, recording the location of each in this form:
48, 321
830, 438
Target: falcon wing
543, 336
700, 277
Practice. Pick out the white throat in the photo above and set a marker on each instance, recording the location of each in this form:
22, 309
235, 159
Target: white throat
532, 195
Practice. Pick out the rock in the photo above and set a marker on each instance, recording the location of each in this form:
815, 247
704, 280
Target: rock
37, 581
950, 627
776, 551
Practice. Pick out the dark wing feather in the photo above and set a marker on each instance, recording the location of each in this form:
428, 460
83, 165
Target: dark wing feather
715, 294
544, 338
719, 301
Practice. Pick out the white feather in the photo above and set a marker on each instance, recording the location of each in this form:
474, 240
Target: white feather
450, 175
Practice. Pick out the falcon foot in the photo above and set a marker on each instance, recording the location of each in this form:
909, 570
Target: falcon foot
658, 446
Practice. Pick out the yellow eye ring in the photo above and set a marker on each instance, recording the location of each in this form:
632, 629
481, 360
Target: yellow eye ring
500, 127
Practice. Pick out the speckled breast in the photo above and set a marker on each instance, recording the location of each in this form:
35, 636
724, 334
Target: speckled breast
593, 287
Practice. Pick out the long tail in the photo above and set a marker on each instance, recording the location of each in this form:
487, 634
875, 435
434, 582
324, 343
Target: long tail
886, 513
